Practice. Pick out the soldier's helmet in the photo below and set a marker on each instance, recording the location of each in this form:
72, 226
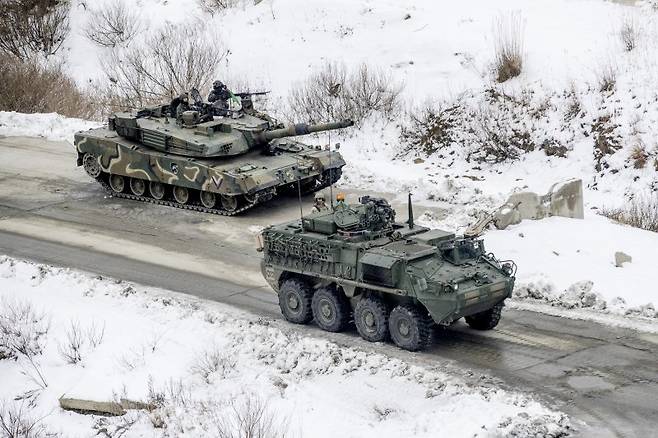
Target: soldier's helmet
319, 197
218, 85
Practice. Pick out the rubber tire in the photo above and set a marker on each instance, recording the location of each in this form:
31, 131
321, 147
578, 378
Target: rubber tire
303, 293
378, 309
485, 320
420, 327
339, 306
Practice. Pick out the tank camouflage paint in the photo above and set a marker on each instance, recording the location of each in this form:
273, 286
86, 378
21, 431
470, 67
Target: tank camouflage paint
394, 280
221, 165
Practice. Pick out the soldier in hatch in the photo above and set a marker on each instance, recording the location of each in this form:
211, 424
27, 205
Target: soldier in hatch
320, 204
219, 93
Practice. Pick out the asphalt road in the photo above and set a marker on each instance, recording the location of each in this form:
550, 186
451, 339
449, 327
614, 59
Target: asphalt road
51, 212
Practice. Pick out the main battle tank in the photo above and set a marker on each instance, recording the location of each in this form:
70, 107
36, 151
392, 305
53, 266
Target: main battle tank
198, 160
395, 280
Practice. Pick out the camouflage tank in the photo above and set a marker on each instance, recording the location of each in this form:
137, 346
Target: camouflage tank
221, 162
395, 280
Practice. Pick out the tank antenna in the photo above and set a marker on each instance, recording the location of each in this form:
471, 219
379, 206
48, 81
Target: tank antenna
299, 197
331, 176
411, 214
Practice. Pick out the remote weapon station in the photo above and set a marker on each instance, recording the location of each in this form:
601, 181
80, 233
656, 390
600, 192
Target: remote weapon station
395, 280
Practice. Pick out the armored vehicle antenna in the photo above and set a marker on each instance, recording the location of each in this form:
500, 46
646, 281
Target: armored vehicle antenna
411, 213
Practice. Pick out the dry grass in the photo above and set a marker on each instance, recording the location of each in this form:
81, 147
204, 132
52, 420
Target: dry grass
640, 213
629, 33
607, 78
432, 128
213, 7
29, 86
15, 422
249, 418
113, 24
30, 27
509, 54
639, 156
213, 362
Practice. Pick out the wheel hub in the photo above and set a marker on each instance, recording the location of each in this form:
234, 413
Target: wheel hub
325, 309
91, 166
404, 329
369, 319
293, 302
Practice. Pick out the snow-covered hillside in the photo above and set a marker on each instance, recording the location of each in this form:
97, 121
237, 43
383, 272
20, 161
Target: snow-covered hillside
202, 367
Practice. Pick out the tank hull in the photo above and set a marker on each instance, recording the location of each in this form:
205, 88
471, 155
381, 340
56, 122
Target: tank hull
228, 185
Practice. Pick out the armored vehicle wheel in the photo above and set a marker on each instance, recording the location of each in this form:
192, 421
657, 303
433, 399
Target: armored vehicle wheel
331, 310
91, 165
181, 195
485, 320
409, 328
137, 186
117, 183
371, 319
229, 203
157, 190
251, 199
208, 199
295, 297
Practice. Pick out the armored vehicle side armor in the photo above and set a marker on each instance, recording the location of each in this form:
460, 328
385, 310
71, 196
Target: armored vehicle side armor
395, 280
221, 162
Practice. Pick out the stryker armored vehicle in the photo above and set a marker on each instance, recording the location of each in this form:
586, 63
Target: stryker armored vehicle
218, 162
395, 280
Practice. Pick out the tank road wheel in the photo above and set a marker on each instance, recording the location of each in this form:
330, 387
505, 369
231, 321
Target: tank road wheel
251, 199
295, 297
409, 327
208, 199
371, 319
157, 190
331, 310
229, 203
181, 195
91, 165
485, 320
137, 186
117, 183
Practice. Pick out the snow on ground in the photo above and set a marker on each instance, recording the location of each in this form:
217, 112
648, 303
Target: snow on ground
201, 363
49, 126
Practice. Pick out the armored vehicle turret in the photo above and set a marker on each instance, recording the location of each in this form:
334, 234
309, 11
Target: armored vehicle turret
200, 158
395, 280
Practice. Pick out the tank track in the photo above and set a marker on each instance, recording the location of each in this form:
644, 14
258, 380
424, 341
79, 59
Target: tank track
193, 207
200, 208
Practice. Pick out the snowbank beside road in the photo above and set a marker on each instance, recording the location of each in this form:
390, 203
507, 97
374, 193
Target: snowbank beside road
198, 362
50, 126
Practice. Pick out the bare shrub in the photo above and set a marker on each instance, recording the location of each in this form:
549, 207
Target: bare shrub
334, 93
79, 341
213, 7
213, 362
173, 60
629, 33
113, 24
607, 78
509, 55
249, 418
607, 140
15, 422
29, 27
29, 86
432, 128
22, 329
641, 213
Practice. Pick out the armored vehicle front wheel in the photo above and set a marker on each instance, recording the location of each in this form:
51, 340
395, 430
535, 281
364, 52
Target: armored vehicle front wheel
157, 190
181, 195
91, 165
137, 186
331, 309
410, 328
117, 183
208, 199
229, 203
485, 320
371, 319
295, 297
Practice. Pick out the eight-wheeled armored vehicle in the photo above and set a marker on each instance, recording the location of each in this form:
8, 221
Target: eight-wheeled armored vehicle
395, 280
195, 158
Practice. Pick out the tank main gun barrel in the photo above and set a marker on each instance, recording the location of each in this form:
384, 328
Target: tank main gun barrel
302, 129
